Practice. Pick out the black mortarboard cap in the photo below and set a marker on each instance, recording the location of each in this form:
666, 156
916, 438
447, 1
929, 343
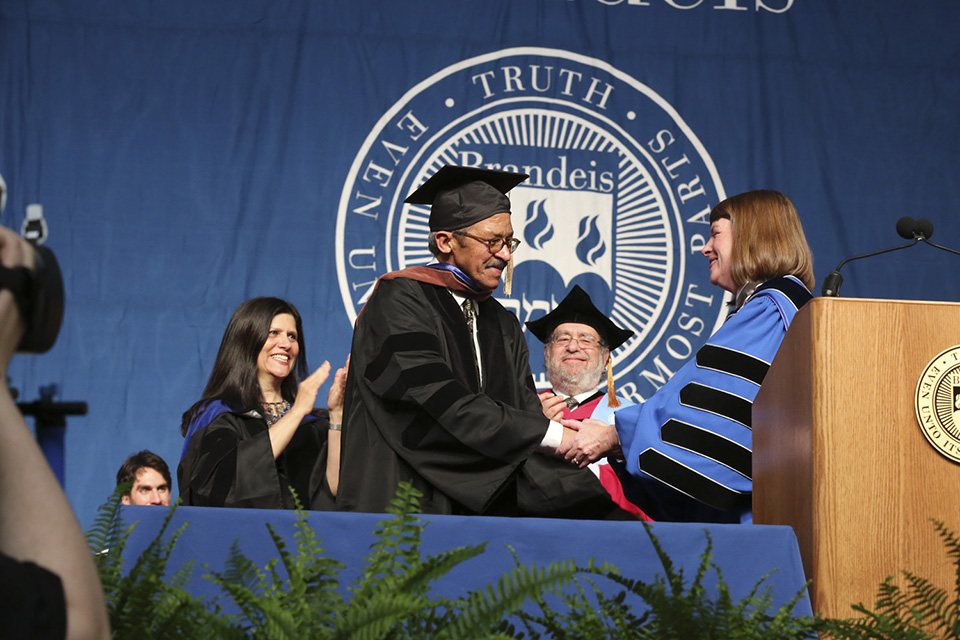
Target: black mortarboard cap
578, 307
462, 196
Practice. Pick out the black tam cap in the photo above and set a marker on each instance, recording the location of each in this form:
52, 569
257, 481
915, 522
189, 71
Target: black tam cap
462, 196
578, 307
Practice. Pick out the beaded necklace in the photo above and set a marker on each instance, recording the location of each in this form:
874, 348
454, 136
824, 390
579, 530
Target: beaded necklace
273, 411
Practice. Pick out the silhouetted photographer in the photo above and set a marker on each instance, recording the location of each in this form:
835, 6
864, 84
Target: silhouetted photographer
49, 586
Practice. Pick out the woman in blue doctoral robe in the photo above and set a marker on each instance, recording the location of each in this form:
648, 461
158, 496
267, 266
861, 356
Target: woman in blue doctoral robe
687, 450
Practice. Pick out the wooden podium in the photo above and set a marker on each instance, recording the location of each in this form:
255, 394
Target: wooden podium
838, 453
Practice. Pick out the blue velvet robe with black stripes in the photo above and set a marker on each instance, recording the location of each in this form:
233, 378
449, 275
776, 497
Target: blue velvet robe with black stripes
414, 411
688, 448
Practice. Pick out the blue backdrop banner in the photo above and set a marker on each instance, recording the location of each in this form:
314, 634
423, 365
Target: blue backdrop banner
189, 156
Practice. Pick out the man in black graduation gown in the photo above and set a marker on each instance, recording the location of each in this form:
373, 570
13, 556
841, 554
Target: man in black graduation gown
447, 402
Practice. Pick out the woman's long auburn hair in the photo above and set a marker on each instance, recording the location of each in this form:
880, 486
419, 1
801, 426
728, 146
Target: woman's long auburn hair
234, 379
768, 240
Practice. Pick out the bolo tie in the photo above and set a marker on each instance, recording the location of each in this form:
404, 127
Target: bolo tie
470, 313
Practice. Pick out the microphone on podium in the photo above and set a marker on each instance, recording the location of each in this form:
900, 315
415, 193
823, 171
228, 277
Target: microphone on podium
922, 230
908, 228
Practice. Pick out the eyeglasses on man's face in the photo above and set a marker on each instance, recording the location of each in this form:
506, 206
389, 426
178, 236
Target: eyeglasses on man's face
495, 245
584, 342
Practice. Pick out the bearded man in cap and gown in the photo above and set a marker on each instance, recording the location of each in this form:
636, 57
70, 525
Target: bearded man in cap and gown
577, 340
440, 392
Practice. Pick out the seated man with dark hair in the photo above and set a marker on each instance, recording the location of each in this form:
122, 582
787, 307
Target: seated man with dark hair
149, 477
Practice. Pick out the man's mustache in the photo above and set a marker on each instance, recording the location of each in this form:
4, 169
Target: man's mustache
496, 263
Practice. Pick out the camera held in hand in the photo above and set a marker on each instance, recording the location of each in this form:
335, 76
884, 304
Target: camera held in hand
38, 292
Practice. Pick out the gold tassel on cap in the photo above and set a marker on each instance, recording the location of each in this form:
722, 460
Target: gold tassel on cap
611, 392
508, 282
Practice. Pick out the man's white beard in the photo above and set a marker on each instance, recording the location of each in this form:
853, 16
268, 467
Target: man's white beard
570, 384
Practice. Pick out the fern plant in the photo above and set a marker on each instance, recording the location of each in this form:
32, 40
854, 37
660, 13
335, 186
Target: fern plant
920, 611
390, 598
143, 602
671, 609
299, 601
298, 594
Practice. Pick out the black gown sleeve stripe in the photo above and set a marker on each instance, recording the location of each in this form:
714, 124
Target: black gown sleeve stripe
795, 292
438, 403
734, 363
690, 482
721, 403
398, 344
708, 444
425, 375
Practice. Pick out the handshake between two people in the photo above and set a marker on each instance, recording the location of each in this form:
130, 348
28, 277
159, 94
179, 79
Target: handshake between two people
584, 441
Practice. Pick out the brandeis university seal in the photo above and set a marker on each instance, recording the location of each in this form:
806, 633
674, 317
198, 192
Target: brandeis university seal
618, 200
937, 403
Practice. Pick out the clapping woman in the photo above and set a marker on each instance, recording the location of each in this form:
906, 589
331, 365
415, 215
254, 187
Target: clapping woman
254, 434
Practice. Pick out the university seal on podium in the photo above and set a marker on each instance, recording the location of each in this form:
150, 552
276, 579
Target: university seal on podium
937, 402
